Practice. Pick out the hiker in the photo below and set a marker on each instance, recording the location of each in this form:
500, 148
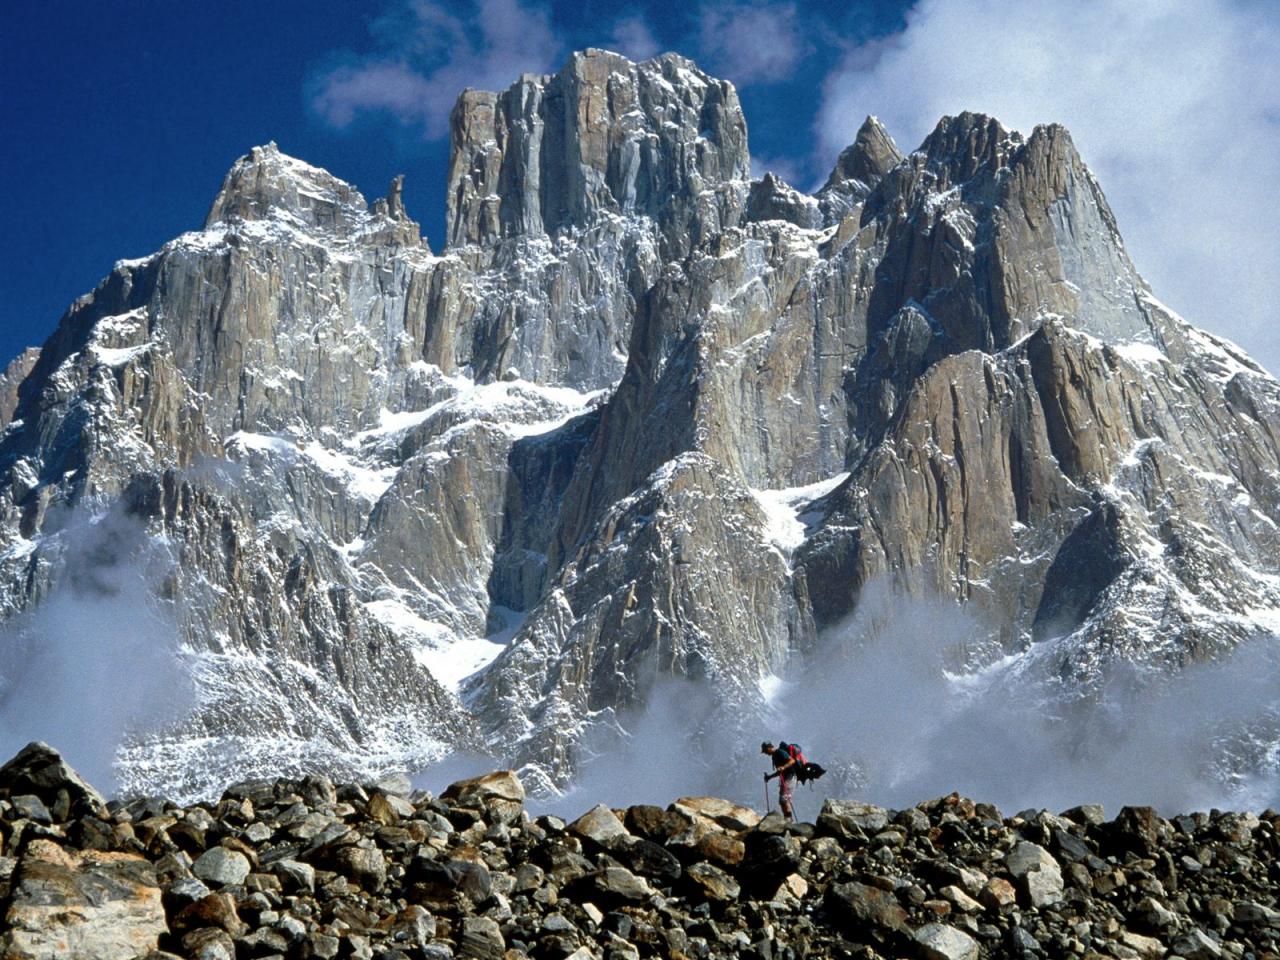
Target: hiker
785, 768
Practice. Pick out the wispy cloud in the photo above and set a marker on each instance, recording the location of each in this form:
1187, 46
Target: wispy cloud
1175, 104
429, 52
633, 37
751, 43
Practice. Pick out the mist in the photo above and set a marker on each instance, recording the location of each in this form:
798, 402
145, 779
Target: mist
888, 705
890, 702
98, 659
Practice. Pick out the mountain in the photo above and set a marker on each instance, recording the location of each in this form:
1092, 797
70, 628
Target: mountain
642, 417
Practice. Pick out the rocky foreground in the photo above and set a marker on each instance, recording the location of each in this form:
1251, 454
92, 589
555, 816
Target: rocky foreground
306, 869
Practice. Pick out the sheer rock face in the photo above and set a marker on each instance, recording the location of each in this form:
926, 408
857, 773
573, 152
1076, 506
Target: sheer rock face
11, 379
641, 418
603, 135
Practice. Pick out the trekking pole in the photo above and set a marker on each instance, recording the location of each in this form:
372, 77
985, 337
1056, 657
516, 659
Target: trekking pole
767, 807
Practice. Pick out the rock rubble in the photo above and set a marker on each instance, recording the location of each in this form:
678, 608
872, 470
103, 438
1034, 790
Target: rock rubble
305, 869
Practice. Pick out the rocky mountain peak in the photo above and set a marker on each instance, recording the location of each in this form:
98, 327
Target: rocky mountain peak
871, 155
968, 142
604, 135
648, 418
266, 181
268, 184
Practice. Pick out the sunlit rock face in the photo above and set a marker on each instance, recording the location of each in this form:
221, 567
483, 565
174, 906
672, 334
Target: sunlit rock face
641, 416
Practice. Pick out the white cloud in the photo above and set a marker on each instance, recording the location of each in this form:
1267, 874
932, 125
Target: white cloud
751, 43
432, 54
633, 38
1175, 105
393, 86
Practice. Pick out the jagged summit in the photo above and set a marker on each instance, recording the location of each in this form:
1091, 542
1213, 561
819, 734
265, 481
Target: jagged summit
643, 418
603, 134
266, 179
267, 183
967, 142
871, 155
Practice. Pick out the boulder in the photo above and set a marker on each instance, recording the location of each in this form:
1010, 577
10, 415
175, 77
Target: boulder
1154, 916
1250, 914
183, 891
1196, 944
960, 900
711, 883
317, 790
445, 881
414, 926
723, 813
481, 939
1148, 947
850, 820
1038, 873
856, 906
1137, 829
620, 884
1086, 814
91, 905
388, 809
600, 825
40, 770
499, 795
770, 858
29, 806
998, 894
209, 943
363, 866
938, 941
213, 910
221, 867
655, 823
295, 876
647, 859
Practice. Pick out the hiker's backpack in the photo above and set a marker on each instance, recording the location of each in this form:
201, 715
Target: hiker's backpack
805, 771
795, 753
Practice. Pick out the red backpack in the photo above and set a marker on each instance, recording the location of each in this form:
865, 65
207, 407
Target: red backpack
804, 770
795, 753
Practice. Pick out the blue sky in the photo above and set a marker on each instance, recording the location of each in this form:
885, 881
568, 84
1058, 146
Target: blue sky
121, 118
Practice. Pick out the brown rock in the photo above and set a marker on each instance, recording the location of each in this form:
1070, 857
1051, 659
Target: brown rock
999, 895
500, 795
215, 910
91, 905
722, 813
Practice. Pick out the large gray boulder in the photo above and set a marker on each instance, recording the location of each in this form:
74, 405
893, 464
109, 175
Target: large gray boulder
221, 867
1038, 873
940, 941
